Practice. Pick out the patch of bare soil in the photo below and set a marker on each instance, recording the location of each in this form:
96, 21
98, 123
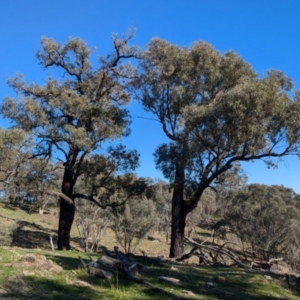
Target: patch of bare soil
36, 264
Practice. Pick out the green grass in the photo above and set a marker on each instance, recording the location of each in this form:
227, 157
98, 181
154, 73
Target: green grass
237, 282
42, 284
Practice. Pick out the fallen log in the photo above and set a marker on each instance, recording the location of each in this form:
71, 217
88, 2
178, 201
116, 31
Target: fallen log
218, 251
265, 265
110, 262
100, 273
187, 255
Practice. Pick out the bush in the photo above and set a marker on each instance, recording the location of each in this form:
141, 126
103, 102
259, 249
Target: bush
7, 233
264, 217
91, 222
132, 222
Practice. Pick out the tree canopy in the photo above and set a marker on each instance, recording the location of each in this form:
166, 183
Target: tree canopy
213, 107
75, 114
216, 111
265, 218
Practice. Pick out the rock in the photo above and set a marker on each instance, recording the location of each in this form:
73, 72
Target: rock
82, 283
100, 273
268, 277
168, 279
210, 284
109, 262
189, 293
174, 269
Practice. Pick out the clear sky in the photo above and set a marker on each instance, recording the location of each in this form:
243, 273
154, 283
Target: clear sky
266, 33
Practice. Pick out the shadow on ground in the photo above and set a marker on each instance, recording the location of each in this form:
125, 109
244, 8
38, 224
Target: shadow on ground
67, 263
34, 288
31, 235
221, 283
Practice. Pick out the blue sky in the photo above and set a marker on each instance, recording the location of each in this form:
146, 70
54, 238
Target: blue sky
264, 32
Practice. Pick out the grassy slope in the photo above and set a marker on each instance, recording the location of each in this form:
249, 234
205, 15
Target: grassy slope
33, 237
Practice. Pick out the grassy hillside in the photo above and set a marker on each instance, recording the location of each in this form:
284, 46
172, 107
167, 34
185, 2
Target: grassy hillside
30, 270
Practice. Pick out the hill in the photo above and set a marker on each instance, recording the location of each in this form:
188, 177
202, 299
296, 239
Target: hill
31, 270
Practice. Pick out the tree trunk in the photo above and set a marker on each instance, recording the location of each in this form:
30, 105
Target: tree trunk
66, 217
180, 210
67, 212
178, 223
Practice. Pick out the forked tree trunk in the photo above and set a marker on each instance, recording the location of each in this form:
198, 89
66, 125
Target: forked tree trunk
178, 223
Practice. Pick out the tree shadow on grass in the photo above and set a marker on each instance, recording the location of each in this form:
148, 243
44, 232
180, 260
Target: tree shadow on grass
221, 283
31, 235
47, 288
31, 239
67, 263
229, 283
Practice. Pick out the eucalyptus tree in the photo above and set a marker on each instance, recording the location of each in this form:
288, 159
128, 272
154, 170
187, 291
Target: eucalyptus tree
263, 218
14, 151
76, 113
216, 111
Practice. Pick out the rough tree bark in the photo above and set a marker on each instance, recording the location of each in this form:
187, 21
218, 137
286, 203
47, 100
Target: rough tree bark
179, 213
66, 217
180, 209
178, 223
67, 209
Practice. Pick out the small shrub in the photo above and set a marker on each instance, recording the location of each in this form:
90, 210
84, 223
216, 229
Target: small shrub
91, 222
7, 233
132, 222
